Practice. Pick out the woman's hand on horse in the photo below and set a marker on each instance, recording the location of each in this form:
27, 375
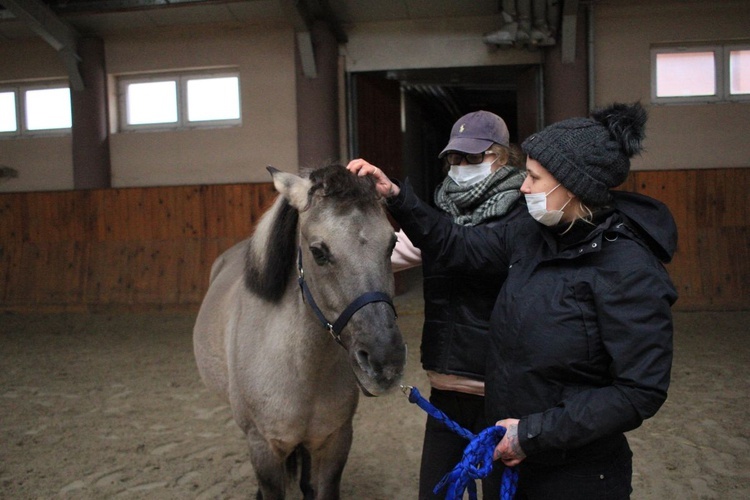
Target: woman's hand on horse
382, 183
509, 450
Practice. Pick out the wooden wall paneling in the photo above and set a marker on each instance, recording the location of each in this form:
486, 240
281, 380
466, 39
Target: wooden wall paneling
96, 209
169, 208
7, 250
217, 214
186, 215
95, 289
234, 212
193, 215
118, 216
178, 280
139, 225
679, 198
36, 207
21, 283
154, 247
735, 190
60, 280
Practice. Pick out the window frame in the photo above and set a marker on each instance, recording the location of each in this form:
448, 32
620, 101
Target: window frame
728, 49
721, 68
20, 89
181, 79
14, 89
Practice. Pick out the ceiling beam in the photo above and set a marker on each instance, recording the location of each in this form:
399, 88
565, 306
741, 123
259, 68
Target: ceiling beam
299, 15
53, 30
302, 14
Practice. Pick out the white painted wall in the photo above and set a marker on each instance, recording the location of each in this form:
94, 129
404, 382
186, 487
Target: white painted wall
268, 135
43, 163
686, 136
428, 43
678, 136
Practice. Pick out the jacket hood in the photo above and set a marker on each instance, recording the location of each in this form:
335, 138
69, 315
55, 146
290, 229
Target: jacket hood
654, 220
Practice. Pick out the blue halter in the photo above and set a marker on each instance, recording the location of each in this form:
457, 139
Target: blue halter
335, 328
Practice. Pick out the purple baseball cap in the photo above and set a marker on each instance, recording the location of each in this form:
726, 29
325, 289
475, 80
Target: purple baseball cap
476, 132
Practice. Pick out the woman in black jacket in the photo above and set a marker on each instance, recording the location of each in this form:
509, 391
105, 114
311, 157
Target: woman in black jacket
581, 332
481, 189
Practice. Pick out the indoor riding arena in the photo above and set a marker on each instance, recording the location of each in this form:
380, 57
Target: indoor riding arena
110, 405
136, 138
101, 397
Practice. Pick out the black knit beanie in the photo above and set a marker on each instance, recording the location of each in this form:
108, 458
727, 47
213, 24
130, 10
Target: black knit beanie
591, 155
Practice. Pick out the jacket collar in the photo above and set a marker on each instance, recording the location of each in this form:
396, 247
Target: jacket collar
582, 238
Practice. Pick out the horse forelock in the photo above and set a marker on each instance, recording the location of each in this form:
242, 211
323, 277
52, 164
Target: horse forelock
336, 183
269, 261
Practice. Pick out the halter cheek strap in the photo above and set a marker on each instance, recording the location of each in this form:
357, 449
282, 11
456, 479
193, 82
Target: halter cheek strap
336, 327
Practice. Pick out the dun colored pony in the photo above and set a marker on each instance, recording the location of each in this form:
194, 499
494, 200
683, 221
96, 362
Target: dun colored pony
258, 339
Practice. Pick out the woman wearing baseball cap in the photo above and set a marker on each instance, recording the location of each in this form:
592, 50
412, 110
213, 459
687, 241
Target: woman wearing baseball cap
481, 189
580, 348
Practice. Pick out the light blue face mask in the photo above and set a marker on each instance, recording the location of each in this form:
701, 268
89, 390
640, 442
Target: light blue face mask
537, 205
468, 175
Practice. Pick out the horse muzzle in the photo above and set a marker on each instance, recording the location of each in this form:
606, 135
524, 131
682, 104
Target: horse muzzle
378, 359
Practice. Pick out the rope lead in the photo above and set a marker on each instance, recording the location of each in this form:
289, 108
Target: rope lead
477, 459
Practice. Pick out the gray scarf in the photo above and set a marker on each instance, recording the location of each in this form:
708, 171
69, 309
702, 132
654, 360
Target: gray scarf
489, 198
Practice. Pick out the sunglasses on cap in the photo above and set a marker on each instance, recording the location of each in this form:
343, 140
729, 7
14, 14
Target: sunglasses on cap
455, 158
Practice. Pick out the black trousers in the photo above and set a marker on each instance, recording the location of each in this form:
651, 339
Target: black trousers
442, 448
607, 478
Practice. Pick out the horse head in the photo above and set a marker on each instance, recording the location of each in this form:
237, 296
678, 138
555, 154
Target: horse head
345, 243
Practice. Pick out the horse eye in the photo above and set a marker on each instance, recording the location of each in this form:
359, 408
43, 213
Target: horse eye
321, 254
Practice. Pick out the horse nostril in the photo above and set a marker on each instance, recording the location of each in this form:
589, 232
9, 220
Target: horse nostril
363, 358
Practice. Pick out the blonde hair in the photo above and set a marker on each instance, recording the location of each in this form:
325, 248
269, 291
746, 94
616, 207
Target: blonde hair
587, 217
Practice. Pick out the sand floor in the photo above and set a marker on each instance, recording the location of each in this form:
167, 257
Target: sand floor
110, 405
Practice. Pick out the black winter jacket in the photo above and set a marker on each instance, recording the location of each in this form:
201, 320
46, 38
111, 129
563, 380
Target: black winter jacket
457, 308
581, 333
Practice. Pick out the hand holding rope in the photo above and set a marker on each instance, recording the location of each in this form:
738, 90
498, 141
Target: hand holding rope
477, 459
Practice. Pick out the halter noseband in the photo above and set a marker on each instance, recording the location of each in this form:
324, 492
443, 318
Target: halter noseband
335, 328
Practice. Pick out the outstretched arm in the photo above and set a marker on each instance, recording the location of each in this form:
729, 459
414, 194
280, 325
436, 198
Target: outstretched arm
382, 183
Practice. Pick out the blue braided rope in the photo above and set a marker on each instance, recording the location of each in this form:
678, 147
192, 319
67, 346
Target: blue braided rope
476, 462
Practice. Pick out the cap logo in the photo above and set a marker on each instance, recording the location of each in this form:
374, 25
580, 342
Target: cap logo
461, 129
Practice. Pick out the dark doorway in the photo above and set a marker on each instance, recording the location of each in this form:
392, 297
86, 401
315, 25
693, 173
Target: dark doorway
401, 119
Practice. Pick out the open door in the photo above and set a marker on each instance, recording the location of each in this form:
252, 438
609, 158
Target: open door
376, 122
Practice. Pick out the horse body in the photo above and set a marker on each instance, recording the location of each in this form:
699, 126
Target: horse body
291, 386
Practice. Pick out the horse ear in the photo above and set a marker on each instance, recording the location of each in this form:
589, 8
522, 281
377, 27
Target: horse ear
292, 187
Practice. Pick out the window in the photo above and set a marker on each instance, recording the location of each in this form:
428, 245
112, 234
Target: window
35, 109
179, 101
700, 74
8, 118
739, 71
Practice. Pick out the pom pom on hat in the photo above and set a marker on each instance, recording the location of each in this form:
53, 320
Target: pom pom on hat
591, 155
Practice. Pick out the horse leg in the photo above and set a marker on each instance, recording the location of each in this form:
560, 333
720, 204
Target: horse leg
270, 470
328, 463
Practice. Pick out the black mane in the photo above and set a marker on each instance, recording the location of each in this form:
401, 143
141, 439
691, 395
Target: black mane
269, 279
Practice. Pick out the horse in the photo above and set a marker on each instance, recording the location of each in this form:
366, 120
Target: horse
262, 338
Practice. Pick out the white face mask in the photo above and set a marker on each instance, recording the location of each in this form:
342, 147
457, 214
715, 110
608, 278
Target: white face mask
468, 175
537, 205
